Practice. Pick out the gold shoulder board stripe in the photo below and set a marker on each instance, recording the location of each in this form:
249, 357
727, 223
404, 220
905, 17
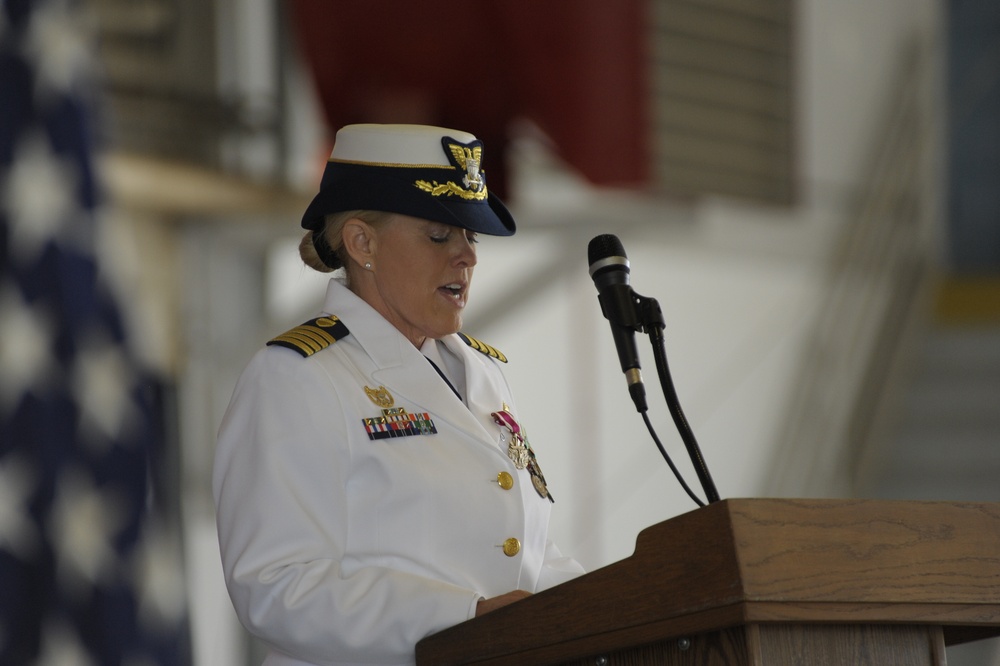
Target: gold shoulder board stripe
481, 346
312, 336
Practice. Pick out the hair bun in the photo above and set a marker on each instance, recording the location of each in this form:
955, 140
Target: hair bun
325, 252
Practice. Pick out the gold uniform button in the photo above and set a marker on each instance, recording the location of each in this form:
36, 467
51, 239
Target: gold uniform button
505, 480
511, 547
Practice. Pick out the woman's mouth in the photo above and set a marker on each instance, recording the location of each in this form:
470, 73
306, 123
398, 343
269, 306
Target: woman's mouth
454, 291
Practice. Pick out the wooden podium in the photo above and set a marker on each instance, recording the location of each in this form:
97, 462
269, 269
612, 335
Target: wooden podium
762, 582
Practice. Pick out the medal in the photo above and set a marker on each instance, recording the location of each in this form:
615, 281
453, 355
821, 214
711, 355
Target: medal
540, 488
519, 451
538, 479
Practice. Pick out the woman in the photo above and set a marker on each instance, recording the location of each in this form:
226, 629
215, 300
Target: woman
372, 480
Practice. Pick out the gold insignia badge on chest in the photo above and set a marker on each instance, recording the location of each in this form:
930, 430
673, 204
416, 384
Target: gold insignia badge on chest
380, 397
394, 421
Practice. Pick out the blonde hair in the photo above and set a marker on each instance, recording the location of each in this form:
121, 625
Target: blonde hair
323, 250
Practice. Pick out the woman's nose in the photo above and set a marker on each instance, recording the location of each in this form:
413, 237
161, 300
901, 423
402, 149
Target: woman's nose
467, 251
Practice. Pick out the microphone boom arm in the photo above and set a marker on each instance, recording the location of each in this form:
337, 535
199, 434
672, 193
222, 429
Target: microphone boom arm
652, 322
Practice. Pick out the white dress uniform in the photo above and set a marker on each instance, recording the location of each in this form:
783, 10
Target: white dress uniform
343, 549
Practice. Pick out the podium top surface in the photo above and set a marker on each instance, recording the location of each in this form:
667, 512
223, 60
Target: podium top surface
763, 560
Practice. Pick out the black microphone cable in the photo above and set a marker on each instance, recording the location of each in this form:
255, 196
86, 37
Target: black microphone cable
628, 311
655, 331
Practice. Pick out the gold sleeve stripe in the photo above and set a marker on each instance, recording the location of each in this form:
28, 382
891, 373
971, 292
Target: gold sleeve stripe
312, 336
316, 334
304, 349
482, 347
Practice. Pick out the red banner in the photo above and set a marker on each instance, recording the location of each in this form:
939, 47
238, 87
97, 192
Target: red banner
576, 68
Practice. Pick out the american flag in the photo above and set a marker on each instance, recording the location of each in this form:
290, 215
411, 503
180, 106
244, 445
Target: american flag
86, 577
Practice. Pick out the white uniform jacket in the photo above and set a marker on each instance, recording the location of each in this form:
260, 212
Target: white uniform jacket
341, 549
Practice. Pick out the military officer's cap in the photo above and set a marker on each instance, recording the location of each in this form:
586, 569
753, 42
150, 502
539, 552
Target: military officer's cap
428, 172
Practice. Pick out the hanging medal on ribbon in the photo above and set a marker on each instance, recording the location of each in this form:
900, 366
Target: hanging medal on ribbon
537, 478
519, 451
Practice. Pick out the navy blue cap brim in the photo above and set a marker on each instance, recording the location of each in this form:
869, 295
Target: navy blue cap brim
348, 186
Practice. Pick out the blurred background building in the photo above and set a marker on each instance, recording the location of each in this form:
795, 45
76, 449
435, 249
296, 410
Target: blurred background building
810, 189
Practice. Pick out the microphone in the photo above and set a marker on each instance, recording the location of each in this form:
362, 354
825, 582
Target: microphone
609, 268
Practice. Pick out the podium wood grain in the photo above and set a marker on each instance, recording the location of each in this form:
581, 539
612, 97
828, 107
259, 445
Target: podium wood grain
772, 580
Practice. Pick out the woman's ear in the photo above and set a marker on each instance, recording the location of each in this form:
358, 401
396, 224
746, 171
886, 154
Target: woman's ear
360, 241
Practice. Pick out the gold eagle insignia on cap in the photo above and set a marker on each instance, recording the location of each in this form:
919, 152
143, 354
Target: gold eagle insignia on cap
312, 336
467, 158
482, 347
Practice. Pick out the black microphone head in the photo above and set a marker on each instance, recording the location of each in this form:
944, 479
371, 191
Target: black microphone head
607, 260
604, 246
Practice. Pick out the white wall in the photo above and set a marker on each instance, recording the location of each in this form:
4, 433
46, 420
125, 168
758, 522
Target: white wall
734, 327
850, 52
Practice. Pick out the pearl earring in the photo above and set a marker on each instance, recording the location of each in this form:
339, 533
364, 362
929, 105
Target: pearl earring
368, 265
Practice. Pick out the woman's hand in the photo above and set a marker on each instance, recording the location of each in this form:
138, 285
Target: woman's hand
487, 605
